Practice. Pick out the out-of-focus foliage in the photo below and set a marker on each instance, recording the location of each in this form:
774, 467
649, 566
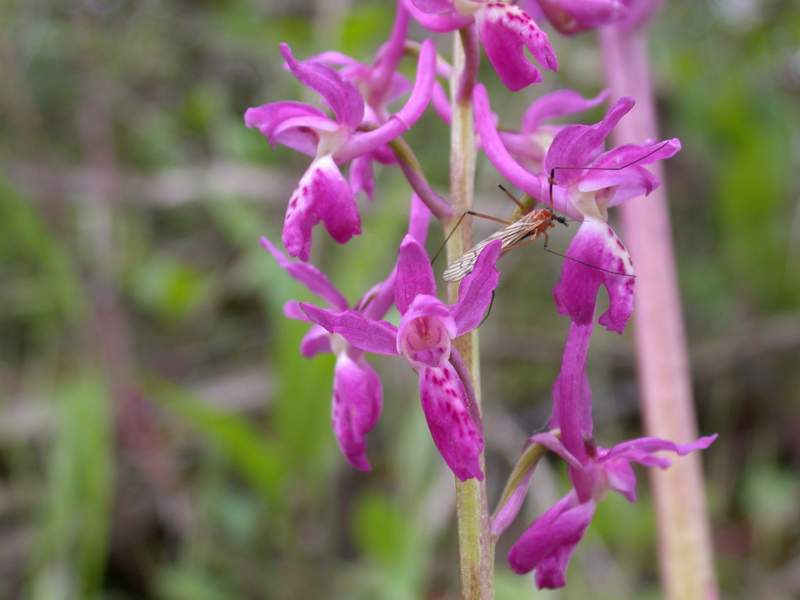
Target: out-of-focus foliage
160, 435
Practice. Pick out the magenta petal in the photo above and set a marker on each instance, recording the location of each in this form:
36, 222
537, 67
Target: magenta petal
341, 96
414, 274
475, 291
433, 6
455, 434
315, 280
509, 511
426, 332
438, 22
316, 341
322, 195
578, 145
401, 121
621, 478
362, 177
550, 540
505, 31
365, 334
558, 104
268, 117
596, 247
572, 16
357, 403
419, 219
554, 444
650, 445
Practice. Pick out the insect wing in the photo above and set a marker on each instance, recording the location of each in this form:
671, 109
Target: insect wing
510, 235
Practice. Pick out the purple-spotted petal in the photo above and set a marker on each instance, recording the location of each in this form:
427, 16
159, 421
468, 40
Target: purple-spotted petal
322, 195
558, 104
312, 278
357, 402
505, 30
548, 543
596, 257
362, 177
426, 332
342, 96
578, 145
316, 341
378, 337
477, 288
414, 274
454, 432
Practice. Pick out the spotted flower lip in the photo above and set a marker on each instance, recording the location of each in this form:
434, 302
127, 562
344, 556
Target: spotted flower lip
357, 391
323, 195
504, 30
424, 337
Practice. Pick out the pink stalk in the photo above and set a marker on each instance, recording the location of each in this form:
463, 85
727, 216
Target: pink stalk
685, 551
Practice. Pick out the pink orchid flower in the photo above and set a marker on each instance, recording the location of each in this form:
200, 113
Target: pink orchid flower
357, 389
550, 540
587, 182
504, 30
323, 194
424, 337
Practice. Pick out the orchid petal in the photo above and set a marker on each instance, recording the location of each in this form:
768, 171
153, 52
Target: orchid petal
322, 195
558, 104
596, 257
267, 117
577, 145
343, 98
477, 289
426, 332
362, 177
572, 396
550, 540
433, 6
400, 122
419, 219
357, 402
572, 16
650, 445
378, 337
505, 31
437, 22
621, 478
312, 278
316, 341
554, 444
454, 432
414, 274
510, 509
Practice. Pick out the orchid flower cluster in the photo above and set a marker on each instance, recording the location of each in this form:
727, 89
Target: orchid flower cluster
560, 166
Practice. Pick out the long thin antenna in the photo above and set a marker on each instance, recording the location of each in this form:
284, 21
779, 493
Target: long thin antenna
585, 264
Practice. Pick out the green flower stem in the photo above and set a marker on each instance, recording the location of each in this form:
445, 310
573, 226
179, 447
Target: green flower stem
475, 546
687, 567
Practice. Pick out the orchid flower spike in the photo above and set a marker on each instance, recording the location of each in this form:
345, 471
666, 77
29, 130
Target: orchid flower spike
504, 30
323, 194
357, 389
424, 338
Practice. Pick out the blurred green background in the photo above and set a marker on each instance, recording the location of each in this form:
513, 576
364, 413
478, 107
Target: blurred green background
161, 436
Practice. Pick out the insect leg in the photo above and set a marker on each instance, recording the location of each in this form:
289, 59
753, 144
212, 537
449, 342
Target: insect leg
514, 199
585, 264
489, 310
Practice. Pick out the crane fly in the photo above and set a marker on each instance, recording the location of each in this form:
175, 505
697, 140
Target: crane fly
529, 225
